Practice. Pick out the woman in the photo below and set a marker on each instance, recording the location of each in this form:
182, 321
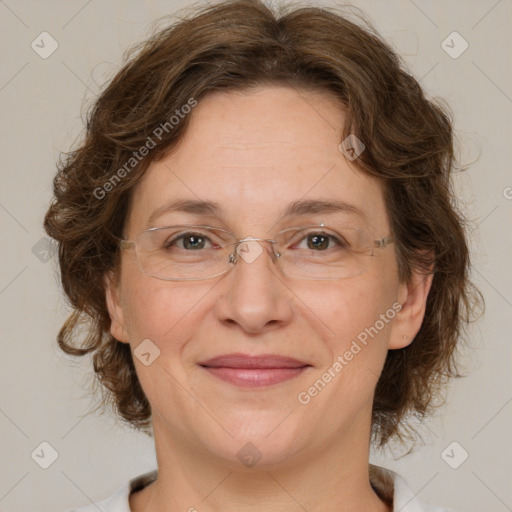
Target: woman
259, 229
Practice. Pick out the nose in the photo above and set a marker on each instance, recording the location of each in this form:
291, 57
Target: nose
254, 296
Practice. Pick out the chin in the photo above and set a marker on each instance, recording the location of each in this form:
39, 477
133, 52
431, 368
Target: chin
258, 453
263, 438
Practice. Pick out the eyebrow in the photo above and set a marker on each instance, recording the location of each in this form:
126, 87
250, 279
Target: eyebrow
293, 209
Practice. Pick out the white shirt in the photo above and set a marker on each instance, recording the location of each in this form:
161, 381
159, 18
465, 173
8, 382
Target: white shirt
386, 483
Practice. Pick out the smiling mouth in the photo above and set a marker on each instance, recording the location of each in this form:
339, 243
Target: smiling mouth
254, 371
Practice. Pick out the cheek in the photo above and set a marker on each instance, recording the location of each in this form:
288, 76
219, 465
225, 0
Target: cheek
342, 310
160, 310
353, 343
166, 314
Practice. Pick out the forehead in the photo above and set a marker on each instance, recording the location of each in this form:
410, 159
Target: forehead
253, 153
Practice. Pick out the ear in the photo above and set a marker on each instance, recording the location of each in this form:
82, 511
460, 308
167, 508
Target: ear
115, 309
413, 298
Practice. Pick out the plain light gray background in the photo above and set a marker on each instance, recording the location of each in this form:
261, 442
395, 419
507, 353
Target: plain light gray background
43, 394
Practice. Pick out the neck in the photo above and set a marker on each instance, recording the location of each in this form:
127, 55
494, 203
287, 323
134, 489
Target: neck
333, 479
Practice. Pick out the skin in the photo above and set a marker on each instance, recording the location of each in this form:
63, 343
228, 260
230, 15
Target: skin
253, 153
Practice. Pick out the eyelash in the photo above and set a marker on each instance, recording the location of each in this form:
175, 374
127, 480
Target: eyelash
338, 241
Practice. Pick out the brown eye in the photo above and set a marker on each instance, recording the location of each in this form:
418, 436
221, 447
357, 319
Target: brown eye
189, 241
318, 242
193, 242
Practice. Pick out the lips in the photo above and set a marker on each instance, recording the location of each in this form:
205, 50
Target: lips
251, 362
254, 371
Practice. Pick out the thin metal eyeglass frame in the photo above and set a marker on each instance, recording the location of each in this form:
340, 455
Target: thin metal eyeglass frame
233, 259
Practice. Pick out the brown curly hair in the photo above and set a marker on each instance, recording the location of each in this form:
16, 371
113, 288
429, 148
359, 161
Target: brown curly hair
235, 45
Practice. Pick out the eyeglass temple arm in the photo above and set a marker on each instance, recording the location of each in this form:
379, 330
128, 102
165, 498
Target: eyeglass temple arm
125, 244
380, 244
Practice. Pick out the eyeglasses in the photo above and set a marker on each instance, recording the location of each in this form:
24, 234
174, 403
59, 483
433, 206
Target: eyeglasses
190, 253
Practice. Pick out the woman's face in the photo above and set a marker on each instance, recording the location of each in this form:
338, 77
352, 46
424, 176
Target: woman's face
254, 154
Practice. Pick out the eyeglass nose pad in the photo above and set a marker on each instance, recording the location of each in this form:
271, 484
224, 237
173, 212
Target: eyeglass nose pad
250, 251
